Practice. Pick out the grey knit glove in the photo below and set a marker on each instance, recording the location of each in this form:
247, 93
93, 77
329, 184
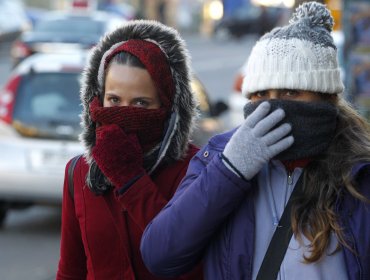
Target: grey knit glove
257, 141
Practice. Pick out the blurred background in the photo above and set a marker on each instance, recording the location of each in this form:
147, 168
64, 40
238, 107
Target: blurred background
44, 45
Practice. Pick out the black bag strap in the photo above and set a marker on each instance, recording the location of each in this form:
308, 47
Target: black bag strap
280, 240
71, 169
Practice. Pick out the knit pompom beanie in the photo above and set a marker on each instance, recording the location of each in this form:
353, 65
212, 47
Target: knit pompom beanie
299, 56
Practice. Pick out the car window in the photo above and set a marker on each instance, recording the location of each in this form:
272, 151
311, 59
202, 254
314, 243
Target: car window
201, 96
49, 103
75, 25
248, 12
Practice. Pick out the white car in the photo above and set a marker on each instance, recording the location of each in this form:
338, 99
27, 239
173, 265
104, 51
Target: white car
64, 32
13, 18
39, 128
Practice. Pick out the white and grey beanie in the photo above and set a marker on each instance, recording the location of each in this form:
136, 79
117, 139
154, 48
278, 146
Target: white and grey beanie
300, 56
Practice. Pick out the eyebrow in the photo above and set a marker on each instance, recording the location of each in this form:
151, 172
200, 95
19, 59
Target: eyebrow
143, 97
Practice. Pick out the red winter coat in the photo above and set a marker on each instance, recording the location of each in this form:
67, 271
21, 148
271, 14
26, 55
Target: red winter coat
101, 234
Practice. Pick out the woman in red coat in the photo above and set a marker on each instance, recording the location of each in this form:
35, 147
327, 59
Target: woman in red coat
138, 113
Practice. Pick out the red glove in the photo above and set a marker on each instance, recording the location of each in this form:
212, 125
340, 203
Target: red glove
118, 155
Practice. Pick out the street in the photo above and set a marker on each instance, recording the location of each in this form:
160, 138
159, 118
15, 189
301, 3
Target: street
29, 241
217, 61
29, 244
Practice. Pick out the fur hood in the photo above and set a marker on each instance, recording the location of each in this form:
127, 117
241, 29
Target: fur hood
175, 143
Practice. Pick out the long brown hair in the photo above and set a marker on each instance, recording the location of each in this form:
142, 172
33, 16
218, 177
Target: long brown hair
326, 179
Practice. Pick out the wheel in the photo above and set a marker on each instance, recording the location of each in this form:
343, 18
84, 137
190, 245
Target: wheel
4, 207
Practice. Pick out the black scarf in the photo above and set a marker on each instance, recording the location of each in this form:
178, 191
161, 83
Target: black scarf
313, 126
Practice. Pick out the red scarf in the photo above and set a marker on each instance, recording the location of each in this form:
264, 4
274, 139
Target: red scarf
290, 165
147, 124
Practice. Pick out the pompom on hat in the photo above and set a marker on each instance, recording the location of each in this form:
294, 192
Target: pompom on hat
299, 56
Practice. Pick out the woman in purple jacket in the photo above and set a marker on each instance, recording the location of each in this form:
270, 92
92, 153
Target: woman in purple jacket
297, 123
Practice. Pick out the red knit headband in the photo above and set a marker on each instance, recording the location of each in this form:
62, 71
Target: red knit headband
155, 62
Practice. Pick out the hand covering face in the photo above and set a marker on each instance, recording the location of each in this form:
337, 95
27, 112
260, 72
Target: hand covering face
117, 154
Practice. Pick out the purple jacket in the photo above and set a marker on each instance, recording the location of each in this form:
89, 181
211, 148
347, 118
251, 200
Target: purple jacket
211, 218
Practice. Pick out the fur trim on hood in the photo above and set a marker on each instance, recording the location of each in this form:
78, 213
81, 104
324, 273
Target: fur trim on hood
174, 147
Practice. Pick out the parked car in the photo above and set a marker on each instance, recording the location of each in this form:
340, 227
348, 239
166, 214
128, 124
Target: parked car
124, 10
13, 19
64, 31
40, 124
211, 114
249, 19
35, 14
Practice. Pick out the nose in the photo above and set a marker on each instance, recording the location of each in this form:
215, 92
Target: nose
125, 103
273, 95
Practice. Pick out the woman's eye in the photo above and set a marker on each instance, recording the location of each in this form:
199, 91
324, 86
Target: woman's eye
260, 94
291, 93
141, 103
114, 101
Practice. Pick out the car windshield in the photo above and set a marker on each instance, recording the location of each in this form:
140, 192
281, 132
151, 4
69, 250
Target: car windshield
75, 25
247, 12
48, 106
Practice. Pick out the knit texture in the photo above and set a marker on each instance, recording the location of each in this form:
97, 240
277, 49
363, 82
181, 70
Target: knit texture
313, 126
117, 154
146, 124
300, 56
258, 140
